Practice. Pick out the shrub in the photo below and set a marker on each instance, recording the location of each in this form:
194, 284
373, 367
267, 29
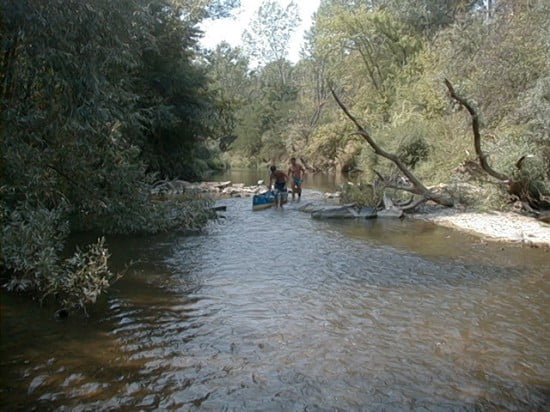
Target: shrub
362, 194
82, 278
33, 240
32, 243
412, 150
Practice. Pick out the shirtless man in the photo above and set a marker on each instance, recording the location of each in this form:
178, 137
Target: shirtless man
280, 179
296, 172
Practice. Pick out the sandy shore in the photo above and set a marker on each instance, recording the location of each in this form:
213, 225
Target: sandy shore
499, 226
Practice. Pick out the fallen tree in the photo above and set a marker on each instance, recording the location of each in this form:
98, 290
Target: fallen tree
411, 184
520, 187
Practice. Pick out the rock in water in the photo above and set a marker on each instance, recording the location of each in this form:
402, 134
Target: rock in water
344, 212
390, 212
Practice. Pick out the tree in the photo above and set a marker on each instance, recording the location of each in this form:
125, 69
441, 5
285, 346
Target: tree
173, 93
521, 186
414, 184
366, 50
227, 70
268, 38
81, 88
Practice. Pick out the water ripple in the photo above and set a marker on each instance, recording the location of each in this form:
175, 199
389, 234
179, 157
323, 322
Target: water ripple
274, 310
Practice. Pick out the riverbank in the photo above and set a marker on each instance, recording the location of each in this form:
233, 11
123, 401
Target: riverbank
498, 226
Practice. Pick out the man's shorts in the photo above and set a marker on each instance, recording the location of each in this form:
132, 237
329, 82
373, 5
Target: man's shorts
297, 180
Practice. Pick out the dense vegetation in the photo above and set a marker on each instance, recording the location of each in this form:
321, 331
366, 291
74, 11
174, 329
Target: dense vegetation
97, 100
388, 60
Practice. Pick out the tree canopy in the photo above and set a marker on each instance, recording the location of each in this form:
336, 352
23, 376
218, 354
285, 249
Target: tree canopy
97, 100
388, 59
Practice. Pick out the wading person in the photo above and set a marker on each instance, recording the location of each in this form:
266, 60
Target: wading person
296, 172
279, 179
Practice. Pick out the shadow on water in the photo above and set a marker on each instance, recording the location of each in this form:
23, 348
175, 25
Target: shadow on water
275, 310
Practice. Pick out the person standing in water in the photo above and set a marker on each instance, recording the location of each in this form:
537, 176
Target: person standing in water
296, 172
279, 179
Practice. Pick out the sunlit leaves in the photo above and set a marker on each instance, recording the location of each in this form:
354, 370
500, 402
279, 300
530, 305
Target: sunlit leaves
268, 36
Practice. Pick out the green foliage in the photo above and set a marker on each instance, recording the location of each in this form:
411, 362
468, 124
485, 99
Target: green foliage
249, 132
95, 98
362, 194
412, 150
172, 90
32, 239
326, 143
83, 278
229, 81
429, 16
32, 243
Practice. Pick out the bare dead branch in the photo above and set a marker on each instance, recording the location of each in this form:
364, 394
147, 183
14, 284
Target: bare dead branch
405, 203
414, 205
477, 136
391, 185
416, 185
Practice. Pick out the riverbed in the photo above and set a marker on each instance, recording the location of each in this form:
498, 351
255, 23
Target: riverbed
273, 310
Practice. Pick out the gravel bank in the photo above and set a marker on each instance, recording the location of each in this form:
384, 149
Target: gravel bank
500, 226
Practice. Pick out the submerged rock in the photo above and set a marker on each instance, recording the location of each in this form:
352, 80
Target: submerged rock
344, 212
310, 207
392, 212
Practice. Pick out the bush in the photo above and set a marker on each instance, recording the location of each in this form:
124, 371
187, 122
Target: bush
82, 278
32, 240
412, 150
362, 194
32, 243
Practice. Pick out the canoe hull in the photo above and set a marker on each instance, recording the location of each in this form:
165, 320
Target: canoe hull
265, 200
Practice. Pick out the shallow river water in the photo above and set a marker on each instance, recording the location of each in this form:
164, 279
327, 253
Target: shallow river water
273, 310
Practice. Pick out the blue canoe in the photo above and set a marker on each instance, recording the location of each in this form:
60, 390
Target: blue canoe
265, 200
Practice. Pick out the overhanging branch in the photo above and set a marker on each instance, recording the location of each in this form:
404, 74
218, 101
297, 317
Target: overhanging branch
477, 136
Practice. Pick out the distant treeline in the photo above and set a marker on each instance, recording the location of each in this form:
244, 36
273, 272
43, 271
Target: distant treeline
388, 59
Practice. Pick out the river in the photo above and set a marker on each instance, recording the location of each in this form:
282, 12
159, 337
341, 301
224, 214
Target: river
272, 310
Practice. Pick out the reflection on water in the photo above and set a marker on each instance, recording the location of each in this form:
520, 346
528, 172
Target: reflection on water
275, 310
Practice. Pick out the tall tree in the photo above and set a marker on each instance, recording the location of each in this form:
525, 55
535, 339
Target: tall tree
268, 38
83, 89
230, 83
